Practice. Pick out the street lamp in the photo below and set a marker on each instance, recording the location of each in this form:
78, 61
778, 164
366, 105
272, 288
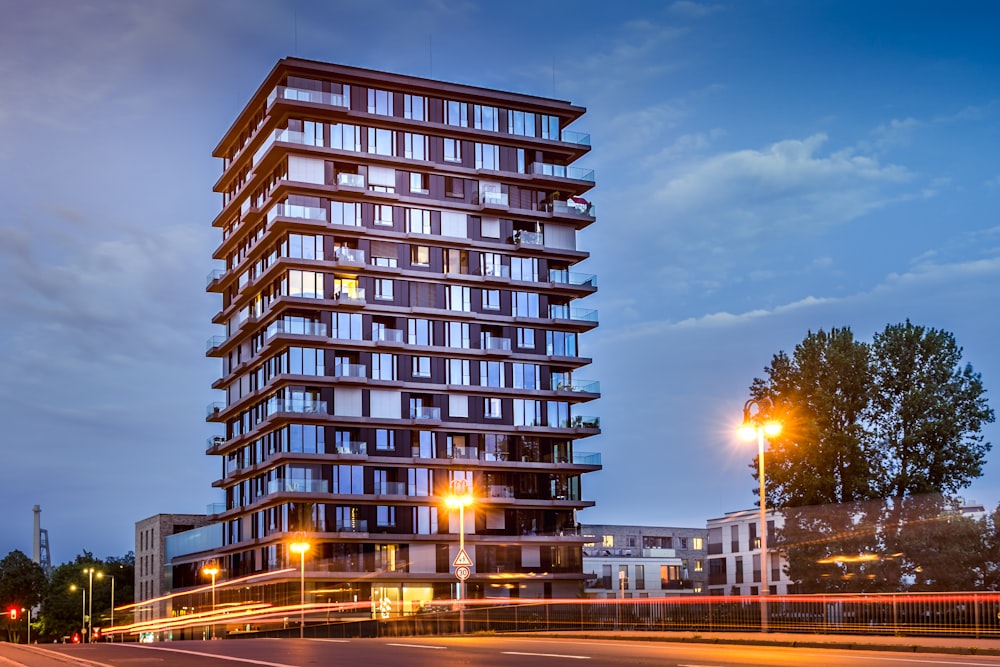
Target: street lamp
300, 547
90, 611
756, 424
83, 609
112, 603
460, 497
212, 570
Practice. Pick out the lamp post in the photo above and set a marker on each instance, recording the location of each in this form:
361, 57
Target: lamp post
300, 547
212, 570
757, 424
83, 609
460, 497
90, 611
112, 603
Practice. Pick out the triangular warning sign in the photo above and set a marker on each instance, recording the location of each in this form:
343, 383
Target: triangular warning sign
462, 559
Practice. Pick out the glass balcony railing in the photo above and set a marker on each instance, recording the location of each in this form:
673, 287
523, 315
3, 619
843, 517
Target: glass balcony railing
562, 171
215, 441
349, 255
352, 447
563, 312
528, 238
356, 526
390, 489
588, 386
465, 453
496, 344
303, 405
587, 458
314, 96
425, 413
586, 422
351, 180
296, 211
389, 335
494, 199
563, 277
574, 137
298, 486
214, 341
573, 208
497, 271
214, 275
499, 491
295, 327
215, 508
350, 294
214, 408
350, 370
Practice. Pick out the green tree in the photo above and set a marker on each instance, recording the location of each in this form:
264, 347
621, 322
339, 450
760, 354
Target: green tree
875, 437
22, 586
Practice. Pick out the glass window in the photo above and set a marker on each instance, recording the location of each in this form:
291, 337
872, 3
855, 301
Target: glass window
415, 107
560, 343
307, 284
347, 326
459, 298
491, 374
383, 366
492, 408
385, 440
343, 213
524, 268
491, 299
383, 288
379, 102
459, 372
452, 150
487, 156
456, 261
419, 183
420, 332
346, 137
383, 215
381, 141
418, 221
521, 123
420, 255
527, 376
525, 337
457, 334
385, 516
550, 127
525, 304
456, 113
421, 367
485, 118
415, 146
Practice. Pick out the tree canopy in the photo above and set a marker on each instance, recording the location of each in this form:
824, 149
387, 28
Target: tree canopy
876, 440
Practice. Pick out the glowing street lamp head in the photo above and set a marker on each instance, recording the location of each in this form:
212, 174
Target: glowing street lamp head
299, 547
456, 501
211, 570
772, 428
747, 431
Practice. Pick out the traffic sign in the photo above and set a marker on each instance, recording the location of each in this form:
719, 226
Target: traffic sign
462, 559
462, 572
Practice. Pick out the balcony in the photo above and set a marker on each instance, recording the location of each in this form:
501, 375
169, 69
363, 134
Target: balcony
295, 328
214, 408
394, 336
496, 344
587, 458
499, 491
315, 97
351, 180
493, 200
350, 255
583, 386
296, 211
577, 206
528, 238
356, 526
465, 453
298, 486
352, 448
496, 271
574, 137
342, 370
214, 275
562, 277
581, 421
562, 312
300, 405
215, 441
390, 489
214, 342
350, 296
423, 412
561, 171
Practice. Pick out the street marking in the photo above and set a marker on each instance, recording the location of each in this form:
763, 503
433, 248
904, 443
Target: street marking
216, 656
418, 646
336, 641
7, 661
66, 658
549, 655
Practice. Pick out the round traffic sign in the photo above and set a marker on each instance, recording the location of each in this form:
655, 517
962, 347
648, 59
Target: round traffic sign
462, 572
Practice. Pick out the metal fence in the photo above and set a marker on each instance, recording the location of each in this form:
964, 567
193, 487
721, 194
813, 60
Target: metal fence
972, 615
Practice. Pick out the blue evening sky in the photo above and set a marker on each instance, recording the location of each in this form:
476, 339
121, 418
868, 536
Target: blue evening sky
763, 169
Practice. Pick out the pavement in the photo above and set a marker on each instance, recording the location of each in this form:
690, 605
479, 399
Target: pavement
952, 645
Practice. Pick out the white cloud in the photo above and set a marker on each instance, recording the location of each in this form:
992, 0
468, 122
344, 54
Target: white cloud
693, 10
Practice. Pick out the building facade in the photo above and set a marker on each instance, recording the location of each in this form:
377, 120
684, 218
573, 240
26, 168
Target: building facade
400, 305
734, 555
153, 558
644, 561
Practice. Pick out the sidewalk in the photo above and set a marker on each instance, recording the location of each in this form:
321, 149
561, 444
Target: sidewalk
954, 645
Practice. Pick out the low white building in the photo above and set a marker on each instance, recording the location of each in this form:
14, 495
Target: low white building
734, 555
643, 561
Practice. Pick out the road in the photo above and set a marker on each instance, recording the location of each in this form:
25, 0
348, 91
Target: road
485, 651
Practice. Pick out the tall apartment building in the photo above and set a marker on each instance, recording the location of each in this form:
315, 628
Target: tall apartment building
400, 307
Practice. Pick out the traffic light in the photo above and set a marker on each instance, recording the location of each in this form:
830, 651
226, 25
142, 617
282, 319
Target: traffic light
13, 613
